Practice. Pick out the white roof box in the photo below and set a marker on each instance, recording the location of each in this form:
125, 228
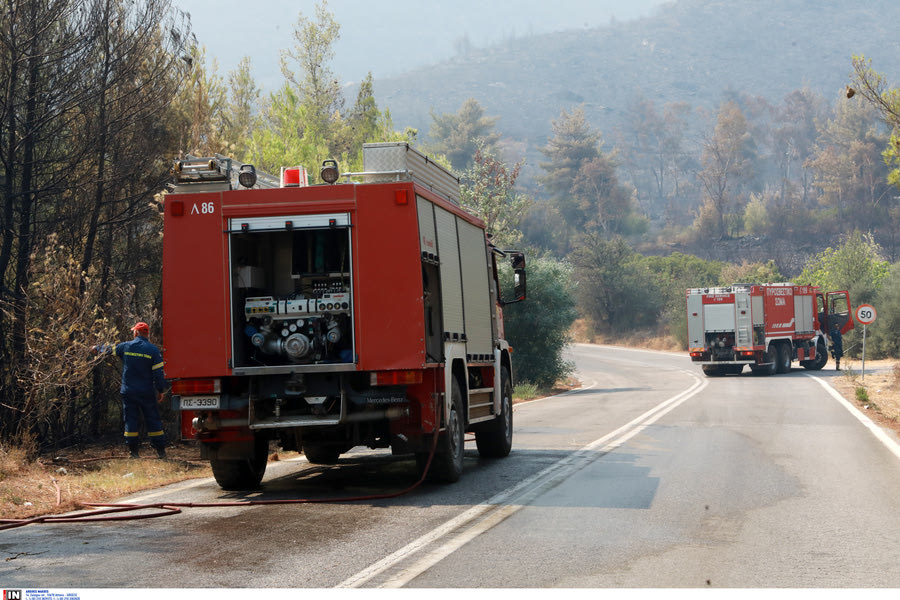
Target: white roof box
390, 161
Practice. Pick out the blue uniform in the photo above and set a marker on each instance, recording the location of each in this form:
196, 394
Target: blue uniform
142, 379
837, 341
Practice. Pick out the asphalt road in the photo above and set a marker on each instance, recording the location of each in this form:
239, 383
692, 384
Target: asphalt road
652, 475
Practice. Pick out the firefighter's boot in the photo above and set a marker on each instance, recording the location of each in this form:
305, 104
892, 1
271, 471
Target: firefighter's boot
161, 452
837, 364
133, 450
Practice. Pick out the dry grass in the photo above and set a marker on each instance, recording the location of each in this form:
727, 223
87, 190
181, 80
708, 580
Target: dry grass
582, 332
61, 483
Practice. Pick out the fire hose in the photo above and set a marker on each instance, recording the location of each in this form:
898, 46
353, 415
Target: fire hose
105, 512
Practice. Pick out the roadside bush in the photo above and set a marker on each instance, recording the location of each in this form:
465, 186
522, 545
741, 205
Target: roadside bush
883, 340
538, 328
855, 265
672, 276
617, 292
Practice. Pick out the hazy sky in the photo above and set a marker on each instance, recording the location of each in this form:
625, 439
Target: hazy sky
386, 37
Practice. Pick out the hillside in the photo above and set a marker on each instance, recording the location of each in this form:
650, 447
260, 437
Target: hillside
690, 50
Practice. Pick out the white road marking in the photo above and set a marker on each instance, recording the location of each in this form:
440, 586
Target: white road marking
479, 519
877, 431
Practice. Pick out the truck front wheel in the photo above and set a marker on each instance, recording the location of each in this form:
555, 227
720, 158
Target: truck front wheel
240, 465
447, 463
821, 357
496, 441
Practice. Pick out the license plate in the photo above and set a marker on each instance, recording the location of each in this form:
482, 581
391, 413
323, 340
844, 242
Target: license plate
199, 402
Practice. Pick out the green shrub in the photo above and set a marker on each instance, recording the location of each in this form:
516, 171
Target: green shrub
538, 328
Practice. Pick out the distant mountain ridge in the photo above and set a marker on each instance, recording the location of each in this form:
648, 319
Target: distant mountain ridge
691, 51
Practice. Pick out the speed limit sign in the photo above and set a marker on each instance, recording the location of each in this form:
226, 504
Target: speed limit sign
865, 314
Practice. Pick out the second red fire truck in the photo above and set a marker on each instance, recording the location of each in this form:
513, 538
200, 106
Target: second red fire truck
764, 326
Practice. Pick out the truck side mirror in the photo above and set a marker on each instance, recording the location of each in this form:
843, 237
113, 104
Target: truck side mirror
520, 284
517, 260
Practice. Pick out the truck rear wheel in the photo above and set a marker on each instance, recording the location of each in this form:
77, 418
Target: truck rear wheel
496, 441
447, 464
321, 455
771, 358
235, 472
713, 370
784, 357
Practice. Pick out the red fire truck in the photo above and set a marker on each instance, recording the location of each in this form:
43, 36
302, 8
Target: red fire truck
765, 326
358, 313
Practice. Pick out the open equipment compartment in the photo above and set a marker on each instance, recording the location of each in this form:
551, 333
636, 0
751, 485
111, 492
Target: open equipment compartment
292, 292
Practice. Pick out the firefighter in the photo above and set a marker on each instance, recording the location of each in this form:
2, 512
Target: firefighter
143, 383
837, 346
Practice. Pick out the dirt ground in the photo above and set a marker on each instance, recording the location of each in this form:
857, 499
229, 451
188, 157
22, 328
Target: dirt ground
881, 383
66, 480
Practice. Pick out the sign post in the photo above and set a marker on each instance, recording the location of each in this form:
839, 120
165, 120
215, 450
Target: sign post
865, 314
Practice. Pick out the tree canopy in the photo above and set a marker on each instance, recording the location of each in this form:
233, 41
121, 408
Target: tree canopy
458, 136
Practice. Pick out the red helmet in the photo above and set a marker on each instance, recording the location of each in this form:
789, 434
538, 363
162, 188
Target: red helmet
141, 327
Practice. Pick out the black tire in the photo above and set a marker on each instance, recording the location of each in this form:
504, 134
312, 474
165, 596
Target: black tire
241, 473
321, 455
771, 358
713, 370
821, 359
447, 464
496, 441
784, 358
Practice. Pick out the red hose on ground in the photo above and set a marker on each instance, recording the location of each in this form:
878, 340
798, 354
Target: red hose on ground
106, 512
